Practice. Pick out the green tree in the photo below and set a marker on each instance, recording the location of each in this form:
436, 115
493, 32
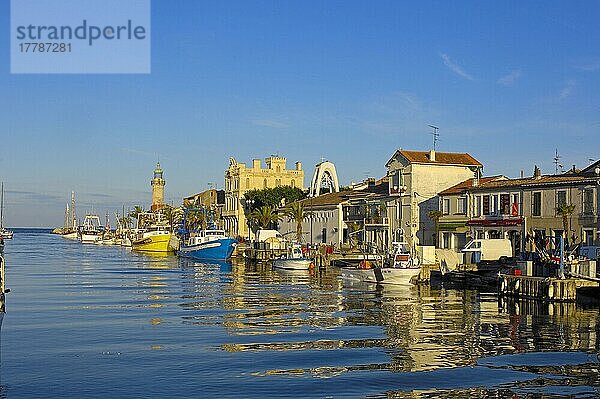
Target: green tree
264, 216
296, 212
135, 212
435, 215
273, 197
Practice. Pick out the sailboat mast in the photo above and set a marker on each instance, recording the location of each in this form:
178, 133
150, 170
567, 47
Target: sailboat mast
73, 214
2, 208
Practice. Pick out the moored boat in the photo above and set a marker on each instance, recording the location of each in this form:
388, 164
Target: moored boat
91, 231
152, 234
401, 268
155, 238
293, 260
5, 234
207, 245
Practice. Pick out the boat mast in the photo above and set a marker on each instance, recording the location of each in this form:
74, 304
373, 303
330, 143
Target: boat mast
2, 208
73, 214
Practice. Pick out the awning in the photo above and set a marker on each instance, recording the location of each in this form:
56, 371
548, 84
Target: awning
495, 222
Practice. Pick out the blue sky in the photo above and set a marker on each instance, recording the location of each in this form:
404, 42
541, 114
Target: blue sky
351, 81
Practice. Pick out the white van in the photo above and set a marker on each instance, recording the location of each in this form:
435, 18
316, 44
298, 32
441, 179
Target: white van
590, 252
490, 249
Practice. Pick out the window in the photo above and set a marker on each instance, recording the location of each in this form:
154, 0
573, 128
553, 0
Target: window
462, 205
486, 204
588, 201
445, 240
515, 206
247, 182
505, 204
478, 206
293, 183
561, 198
588, 238
537, 204
446, 206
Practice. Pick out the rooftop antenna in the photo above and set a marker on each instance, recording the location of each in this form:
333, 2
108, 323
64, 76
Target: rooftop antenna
435, 134
556, 162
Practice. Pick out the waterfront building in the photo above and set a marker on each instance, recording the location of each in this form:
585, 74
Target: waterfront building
455, 205
516, 208
211, 199
240, 179
158, 189
347, 218
416, 178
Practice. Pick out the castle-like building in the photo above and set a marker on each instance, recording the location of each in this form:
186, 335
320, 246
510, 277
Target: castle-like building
158, 189
239, 179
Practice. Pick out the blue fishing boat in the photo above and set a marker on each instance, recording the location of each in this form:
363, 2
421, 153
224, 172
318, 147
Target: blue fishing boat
205, 244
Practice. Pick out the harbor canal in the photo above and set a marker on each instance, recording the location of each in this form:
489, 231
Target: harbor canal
100, 321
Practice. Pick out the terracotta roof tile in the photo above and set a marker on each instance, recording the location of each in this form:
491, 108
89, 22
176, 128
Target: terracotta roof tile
447, 158
467, 184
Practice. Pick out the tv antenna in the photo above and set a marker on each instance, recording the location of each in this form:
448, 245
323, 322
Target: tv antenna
556, 161
435, 134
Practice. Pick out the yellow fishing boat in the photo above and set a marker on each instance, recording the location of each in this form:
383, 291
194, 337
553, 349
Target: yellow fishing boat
153, 239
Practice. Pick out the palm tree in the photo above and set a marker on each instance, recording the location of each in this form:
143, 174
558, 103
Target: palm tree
435, 215
135, 212
264, 216
295, 212
196, 220
565, 211
354, 228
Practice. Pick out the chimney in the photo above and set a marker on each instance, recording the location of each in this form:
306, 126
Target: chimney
537, 173
522, 174
256, 163
298, 165
574, 170
432, 156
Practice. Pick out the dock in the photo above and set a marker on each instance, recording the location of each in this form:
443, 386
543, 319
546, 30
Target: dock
542, 288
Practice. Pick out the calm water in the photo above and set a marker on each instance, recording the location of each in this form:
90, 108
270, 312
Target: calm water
89, 321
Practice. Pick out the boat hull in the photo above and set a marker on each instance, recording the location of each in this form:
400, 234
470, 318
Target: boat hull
213, 250
90, 238
6, 235
395, 276
155, 243
292, 264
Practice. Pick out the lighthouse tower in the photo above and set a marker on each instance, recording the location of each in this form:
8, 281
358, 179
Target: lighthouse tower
158, 189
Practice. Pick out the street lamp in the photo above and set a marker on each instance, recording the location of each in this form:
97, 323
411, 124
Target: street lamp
249, 203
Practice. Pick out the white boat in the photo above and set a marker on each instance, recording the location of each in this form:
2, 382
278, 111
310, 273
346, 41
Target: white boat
400, 269
293, 260
91, 231
4, 233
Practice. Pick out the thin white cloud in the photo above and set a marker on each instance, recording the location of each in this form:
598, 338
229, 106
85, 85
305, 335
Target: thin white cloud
270, 123
510, 79
589, 65
567, 90
454, 67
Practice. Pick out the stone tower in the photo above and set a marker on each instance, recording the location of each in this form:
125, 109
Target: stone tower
158, 189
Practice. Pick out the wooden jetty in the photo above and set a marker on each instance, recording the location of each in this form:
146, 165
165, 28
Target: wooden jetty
544, 288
